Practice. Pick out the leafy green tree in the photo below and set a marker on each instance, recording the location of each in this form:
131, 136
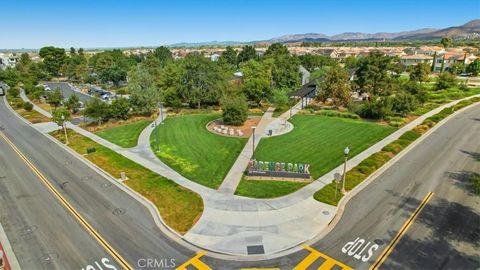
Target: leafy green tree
36, 92
97, 110
164, 55
246, 54
377, 108
279, 98
285, 73
144, 94
114, 74
14, 92
234, 109
447, 42
350, 62
55, 98
73, 103
257, 79
446, 80
169, 80
202, 80
404, 103
276, 49
335, 85
53, 58
61, 116
420, 72
111, 66
456, 68
372, 75
10, 76
474, 67
120, 108
229, 56
416, 89
312, 62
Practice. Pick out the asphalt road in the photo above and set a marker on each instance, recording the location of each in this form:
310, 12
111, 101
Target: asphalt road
122, 221
445, 235
67, 91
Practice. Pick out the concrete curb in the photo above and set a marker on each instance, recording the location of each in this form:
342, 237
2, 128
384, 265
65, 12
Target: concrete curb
344, 201
7, 248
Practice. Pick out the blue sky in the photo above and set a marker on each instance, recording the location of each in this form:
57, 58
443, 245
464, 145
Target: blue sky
86, 23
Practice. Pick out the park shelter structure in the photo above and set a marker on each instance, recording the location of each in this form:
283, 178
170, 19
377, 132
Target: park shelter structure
307, 92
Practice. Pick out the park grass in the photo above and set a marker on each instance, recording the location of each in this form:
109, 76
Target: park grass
178, 206
125, 136
263, 189
363, 170
319, 141
189, 148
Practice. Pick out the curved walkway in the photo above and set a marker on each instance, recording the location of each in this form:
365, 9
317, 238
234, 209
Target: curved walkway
234, 225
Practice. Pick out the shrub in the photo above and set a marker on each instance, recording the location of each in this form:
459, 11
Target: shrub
475, 181
445, 80
377, 108
27, 106
235, 110
404, 103
14, 92
119, 108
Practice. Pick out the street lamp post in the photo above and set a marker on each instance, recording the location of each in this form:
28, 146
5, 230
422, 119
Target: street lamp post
345, 151
253, 141
64, 126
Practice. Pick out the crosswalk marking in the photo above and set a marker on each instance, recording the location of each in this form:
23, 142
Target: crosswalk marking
315, 255
196, 262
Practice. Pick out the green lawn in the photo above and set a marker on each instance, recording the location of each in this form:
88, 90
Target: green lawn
267, 189
190, 149
320, 140
179, 207
125, 136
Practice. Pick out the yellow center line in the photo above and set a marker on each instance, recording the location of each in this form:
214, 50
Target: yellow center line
68, 206
386, 252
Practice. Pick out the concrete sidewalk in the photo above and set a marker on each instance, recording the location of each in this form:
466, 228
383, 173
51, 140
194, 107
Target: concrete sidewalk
243, 226
231, 181
24, 97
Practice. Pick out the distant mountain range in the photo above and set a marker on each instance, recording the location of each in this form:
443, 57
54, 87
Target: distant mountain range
468, 30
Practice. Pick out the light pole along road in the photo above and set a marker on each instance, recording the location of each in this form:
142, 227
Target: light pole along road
443, 234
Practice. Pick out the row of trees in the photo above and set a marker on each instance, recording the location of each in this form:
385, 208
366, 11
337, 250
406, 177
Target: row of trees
196, 81
378, 75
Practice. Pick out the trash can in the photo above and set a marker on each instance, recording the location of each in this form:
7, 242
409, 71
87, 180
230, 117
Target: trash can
270, 132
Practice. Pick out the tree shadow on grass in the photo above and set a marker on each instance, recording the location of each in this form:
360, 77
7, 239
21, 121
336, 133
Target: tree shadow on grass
452, 241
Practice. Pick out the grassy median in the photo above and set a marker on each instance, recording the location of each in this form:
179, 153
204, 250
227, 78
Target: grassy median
178, 206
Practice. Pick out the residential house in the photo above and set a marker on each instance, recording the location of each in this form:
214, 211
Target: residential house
412, 60
444, 61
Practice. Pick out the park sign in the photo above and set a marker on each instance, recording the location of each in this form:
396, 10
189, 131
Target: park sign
278, 169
